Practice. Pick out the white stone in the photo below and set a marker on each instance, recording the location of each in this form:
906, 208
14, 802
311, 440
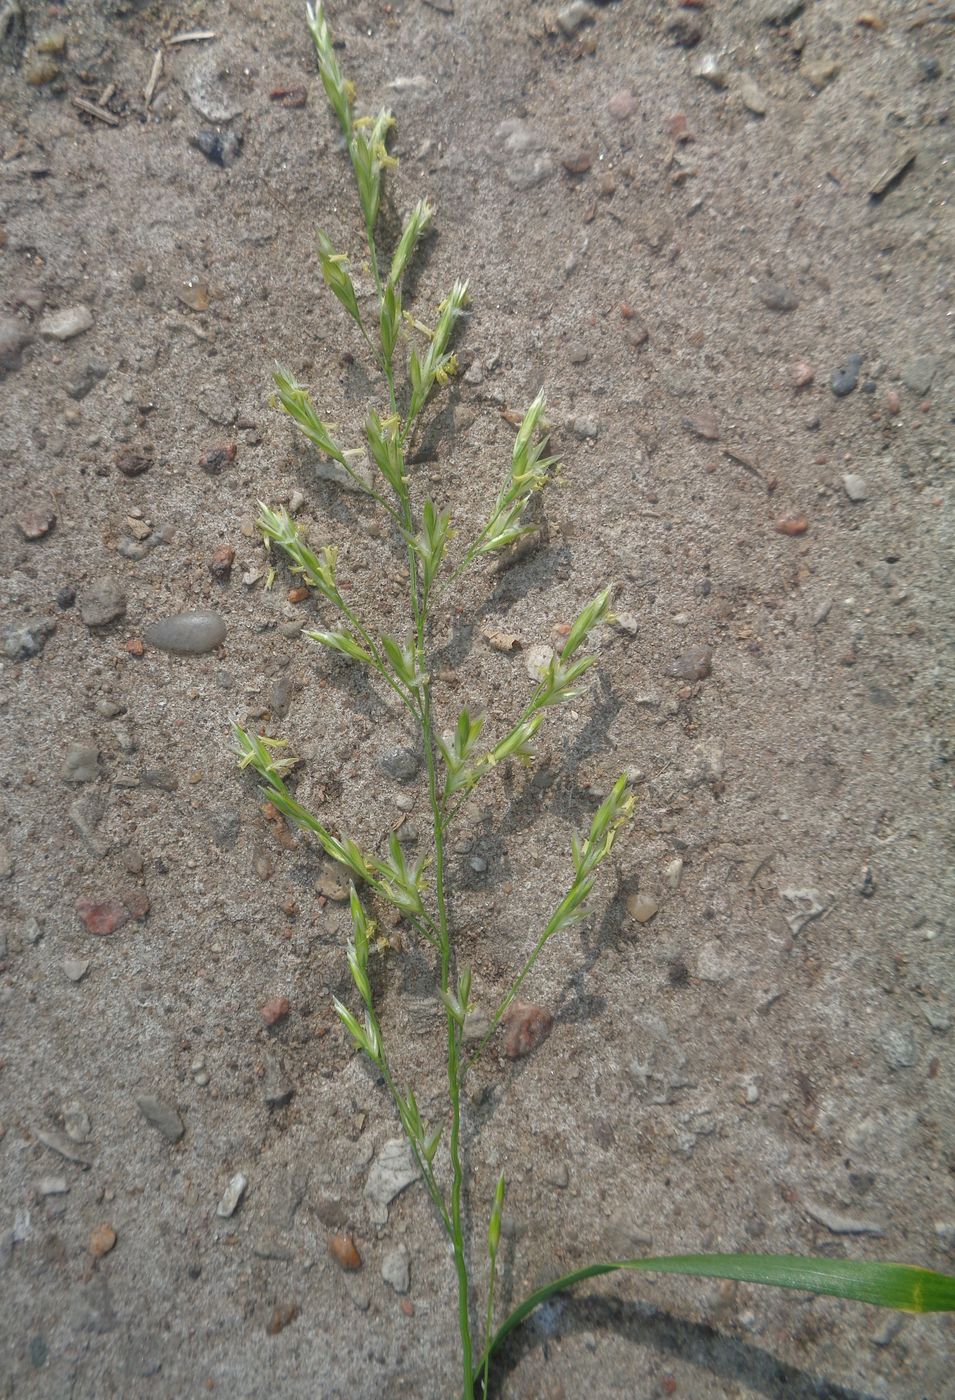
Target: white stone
396, 1269
231, 1196
65, 324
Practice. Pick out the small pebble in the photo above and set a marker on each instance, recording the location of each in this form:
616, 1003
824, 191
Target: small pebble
899, 1047
76, 968
674, 873
220, 565
64, 325
777, 297
14, 338
22, 641
844, 379
231, 1197
803, 374
275, 1010
642, 907
102, 1240
34, 524
854, 486
623, 104
188, 633
586, 428
694, 665
81, 764
919, 373
161, 1116
572, 16
792, 525
401, 764
711, 70
396, 1269
343, 1251
103, 602
215, 459
52, 1186
221, 147
703, 423
526, 1027
133, 461
754, 99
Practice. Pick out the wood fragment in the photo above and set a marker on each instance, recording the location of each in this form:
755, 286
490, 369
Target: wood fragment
92, 110
892, 174
105, 95
149, 91
193, 36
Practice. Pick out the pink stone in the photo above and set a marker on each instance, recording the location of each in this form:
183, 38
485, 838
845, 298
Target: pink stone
104, 917
275, 1010
527, 1026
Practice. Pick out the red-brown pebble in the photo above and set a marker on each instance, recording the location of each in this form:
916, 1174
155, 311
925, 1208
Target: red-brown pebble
343, 1251
215, 459
297, 595
792, 525
220, 565
275, 1010
103, 917
102, 1241
526, 1026
407, 1307
280, 1318
892, 401
136, 647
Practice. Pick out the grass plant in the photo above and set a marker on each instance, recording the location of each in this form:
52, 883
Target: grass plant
459, 760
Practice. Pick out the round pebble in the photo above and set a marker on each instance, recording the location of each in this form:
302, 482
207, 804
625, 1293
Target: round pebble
844, 379
188, 633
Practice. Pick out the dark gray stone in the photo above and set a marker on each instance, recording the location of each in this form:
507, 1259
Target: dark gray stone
843, 380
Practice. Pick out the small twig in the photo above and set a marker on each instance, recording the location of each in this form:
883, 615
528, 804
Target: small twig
192, 36
92, 110
149, 91
105, 95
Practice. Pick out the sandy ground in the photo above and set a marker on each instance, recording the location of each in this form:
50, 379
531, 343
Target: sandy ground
683, 222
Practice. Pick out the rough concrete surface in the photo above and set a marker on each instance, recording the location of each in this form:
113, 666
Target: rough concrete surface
720, 236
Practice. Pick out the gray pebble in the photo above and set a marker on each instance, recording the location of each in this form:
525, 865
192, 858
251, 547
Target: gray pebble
215, 403
841, 1224
854, 486
188, 633
103, 602
160, 1116
577, 353
694, 665
221, 147
23, 640
231, 1196
225, 829
571, 17
65, 324
918, 374
899, 1047
586, 428
523, 149
280, 696
81, 764
843, 380
90, 375
76, 968
165, 779
478, 864
14, 338
396, 1269
278, 1090
401, 764
777, 296
937, 1016
711, 70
